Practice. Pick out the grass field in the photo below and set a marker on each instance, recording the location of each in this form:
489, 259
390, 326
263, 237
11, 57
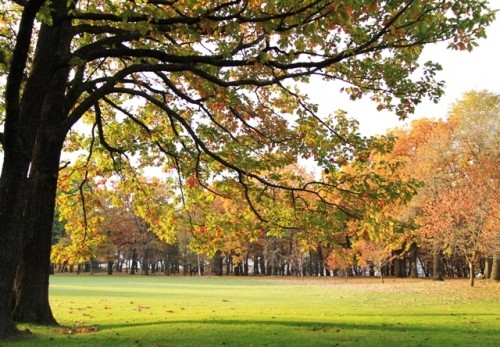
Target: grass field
208, 311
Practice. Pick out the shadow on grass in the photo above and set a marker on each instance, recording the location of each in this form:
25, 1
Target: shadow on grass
383, 327
272, 332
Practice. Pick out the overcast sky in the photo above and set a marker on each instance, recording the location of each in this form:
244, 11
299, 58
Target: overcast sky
462, 71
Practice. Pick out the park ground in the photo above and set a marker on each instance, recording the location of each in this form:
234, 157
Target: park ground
165, 311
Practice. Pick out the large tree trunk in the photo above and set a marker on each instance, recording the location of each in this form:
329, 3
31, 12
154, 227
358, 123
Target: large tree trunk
19, 129
44, 97
32, 279
16, 163
10, 205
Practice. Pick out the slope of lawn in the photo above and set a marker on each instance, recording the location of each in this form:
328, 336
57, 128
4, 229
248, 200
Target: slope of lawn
158, 311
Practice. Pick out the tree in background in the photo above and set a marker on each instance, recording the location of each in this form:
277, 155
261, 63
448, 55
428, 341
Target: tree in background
466, 210
420, 151
374, 255
204, 88
112, 215
456, 208
371, 216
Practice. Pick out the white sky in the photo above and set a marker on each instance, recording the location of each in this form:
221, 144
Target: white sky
462, 72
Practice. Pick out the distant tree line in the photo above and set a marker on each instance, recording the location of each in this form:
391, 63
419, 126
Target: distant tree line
447, 229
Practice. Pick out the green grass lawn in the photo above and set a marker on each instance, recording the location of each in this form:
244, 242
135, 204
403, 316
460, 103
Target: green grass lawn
158, 311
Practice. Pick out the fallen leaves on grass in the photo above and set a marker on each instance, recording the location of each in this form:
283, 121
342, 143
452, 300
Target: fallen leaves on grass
141, 307
450, 290
77, 330
321, 330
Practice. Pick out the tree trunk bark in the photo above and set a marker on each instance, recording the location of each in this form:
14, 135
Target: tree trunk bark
381, 272
488, 262
43, 105
437, 266
133, 266
262, 264
218, 264
471, 273
110, 267
459, 267
399, 264
255, 264
10, 205
31, 288
495, 268
321, 261
145, 262
229, 264
32, 278
21, 124
413, 260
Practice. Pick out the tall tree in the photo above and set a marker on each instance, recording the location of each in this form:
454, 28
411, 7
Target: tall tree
205, 83
456, 210
467, 209
421, 149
